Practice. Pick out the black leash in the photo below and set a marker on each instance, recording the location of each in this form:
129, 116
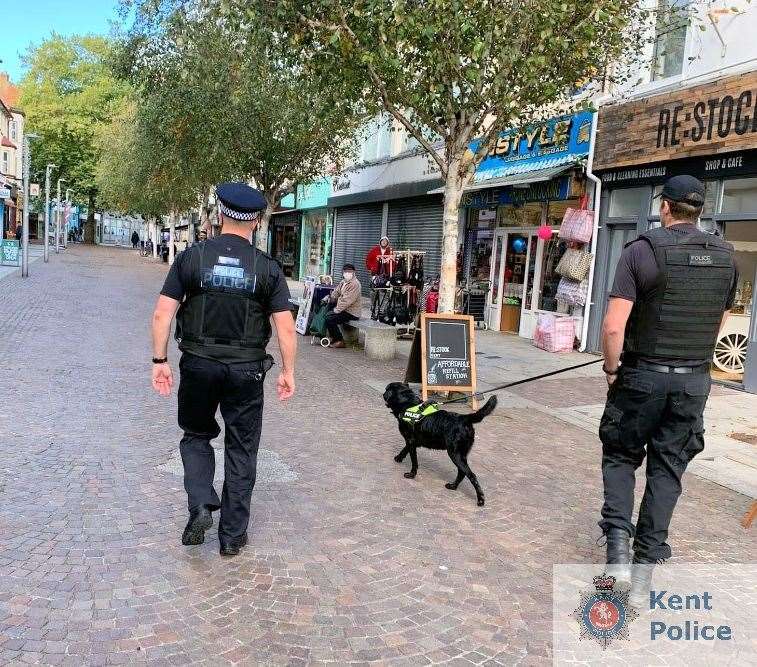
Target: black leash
517, 382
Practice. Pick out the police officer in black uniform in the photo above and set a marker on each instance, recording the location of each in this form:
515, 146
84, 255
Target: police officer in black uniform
226, 292
672, 292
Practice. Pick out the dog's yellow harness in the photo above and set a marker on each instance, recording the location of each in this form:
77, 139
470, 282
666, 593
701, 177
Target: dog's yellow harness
419, 412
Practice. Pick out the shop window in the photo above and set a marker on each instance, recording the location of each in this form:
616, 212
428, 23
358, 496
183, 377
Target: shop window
481, 235
554, 249
710, 199
526, 215
6, 162
626, 202
556, 211
671, 27
740, 196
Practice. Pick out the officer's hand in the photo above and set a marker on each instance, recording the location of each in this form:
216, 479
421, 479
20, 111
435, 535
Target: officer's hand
285, 385
611, 379
162, 379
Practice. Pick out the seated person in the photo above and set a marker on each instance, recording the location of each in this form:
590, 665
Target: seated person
346, 300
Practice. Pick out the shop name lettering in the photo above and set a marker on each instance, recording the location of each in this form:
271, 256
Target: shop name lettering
633, 174
535, 192
714, 119
689, 630
555, 135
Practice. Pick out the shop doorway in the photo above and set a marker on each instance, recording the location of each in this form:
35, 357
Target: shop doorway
512, 271
730, 356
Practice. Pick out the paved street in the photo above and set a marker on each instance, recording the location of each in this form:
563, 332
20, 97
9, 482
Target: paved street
348, 561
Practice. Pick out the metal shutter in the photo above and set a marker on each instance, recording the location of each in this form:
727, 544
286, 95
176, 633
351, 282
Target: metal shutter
416, 224
358, 229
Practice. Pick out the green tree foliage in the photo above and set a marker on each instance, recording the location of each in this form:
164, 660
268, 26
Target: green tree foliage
68, 93
451, 71
228, 104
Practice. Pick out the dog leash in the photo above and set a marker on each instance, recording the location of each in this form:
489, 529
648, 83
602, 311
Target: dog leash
517, 382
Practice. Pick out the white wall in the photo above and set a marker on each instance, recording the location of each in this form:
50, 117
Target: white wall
705, 56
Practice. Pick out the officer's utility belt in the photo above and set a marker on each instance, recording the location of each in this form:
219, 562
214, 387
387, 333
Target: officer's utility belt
226, 342
660, 368
418, 413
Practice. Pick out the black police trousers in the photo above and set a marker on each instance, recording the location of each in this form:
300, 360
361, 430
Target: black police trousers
662, 413
238, 389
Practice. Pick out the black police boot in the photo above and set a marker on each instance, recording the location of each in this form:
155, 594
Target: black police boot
231, 547
199, 521
619, 554
641, 582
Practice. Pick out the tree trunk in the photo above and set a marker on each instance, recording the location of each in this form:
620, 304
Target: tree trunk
262, 230
89, 226
171, 236
453, 193
155, 234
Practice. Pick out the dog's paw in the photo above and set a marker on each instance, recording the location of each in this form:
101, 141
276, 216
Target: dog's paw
410, 475
399, 458
451, 486
481, 501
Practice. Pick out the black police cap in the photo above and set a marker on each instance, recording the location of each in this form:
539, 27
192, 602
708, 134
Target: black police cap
239, 201
684, 189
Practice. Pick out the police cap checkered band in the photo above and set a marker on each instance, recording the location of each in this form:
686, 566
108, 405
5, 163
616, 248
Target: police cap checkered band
239, 201
237, 215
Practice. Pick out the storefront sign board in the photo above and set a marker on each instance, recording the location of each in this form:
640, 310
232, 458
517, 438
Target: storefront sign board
306, 305
552, 190
448, 353
10, 253
314, 195
708, 119
542, 145
706, 167
5, 193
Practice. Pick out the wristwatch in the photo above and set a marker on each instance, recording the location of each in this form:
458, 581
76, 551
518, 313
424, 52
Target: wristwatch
156, 360
615, 372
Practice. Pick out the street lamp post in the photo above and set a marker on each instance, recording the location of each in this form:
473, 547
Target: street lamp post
57, 218
26, 155
48, 171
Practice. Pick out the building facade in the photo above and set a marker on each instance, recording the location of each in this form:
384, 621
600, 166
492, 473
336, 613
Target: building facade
695, 113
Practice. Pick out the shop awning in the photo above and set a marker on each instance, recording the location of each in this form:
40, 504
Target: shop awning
525, 178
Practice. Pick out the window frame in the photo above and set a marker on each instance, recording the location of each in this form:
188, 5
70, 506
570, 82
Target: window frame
655, 74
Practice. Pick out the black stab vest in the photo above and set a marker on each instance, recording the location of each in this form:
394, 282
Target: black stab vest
225, 305
680, 317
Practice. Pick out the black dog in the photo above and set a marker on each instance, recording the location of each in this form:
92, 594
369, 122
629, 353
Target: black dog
441, 430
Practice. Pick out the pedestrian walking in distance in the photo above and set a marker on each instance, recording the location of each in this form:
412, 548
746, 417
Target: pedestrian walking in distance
226, 292
673, 288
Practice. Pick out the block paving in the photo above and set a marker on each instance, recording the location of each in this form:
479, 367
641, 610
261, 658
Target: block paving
348, 562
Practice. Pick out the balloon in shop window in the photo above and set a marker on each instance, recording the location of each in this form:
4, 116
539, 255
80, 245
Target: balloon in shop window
519, 245
545, 232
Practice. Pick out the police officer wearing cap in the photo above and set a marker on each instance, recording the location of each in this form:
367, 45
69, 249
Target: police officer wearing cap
226, 292
673, 288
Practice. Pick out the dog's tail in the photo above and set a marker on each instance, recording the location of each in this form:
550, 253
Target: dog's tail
484, 411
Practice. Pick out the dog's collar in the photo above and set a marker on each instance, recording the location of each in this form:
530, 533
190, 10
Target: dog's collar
419, 412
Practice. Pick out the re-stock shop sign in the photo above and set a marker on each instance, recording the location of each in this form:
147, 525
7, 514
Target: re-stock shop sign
717, 117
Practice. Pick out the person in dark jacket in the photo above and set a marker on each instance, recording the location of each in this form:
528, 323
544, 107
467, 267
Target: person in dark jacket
134, 239
672, 292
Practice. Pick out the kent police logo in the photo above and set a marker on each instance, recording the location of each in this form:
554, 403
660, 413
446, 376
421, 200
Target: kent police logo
604, 614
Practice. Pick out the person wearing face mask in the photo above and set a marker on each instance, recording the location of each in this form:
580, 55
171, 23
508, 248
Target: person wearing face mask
346, 299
